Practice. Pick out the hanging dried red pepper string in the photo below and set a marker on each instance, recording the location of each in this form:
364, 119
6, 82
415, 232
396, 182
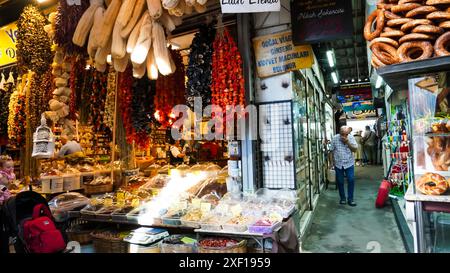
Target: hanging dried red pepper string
170, 91
227, 85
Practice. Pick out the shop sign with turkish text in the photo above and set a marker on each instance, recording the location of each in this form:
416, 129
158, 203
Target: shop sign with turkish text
276, 54
8, 39
249, 6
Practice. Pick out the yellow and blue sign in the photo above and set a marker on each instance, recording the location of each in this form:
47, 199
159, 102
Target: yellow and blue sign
8, 40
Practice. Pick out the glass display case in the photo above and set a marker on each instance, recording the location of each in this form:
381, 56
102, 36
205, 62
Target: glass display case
301, 142
429, 99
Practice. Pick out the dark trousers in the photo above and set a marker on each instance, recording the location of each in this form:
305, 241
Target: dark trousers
350, 174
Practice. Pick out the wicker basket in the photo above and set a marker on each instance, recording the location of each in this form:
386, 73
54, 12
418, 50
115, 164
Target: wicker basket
102, 245
82, 236
180, 248
95, 189
239, 248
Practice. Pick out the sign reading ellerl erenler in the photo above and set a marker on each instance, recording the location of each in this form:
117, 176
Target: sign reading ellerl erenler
250, 6
8, 39
276, 54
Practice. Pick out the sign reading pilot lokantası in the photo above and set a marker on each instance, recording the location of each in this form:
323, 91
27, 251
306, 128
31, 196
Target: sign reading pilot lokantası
249, 6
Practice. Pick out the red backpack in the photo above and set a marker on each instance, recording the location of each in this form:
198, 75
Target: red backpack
40, 233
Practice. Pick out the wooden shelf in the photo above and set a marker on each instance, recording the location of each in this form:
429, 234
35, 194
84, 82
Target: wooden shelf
397, 75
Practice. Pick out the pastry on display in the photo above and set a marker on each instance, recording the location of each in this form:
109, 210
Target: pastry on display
405, 31
432, 184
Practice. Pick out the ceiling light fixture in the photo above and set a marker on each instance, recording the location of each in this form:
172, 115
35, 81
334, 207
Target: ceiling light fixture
41, 1
335, 78
353, 80
379, 82
330, 56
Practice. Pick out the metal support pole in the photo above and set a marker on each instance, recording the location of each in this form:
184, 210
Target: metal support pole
248, 143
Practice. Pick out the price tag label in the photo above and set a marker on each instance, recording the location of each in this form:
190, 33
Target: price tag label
108, 202
135, 202
223, 208
205, 207
183, 205
196, 203
188, 240
236, 210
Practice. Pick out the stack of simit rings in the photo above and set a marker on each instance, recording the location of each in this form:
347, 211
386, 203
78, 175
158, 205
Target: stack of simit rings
408, 30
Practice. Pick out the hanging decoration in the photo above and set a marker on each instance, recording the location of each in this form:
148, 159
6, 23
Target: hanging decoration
170, 91
200, 65
33, 44
66, 22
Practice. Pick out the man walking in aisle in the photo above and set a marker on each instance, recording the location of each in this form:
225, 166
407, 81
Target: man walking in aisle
343, 145
370, 148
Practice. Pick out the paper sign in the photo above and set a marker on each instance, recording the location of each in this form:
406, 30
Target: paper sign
236, 210
249, 6
276, 54
205, 207
196, 203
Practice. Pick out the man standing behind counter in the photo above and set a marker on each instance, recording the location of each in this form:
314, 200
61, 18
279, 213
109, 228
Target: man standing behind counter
343, 145
70, 147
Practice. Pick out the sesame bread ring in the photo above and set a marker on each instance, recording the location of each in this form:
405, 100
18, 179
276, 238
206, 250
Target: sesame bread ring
440, 47
385, 53
389, 15
420, 11
387, 29
376, 62
428, 29
406, 50
432, 184
438, 2
412, 24
384, 6
405, 7
377, 15
401, 2
393, 34
398, 22
415, 37
439, 15
385, 40
445, 24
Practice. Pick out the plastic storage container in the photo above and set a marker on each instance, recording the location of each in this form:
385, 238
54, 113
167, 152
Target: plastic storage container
52, 184
71, 182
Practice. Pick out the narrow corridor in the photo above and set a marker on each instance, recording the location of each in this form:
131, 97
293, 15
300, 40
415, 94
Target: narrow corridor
361, 229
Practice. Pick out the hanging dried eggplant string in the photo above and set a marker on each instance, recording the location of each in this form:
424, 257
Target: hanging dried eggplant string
66, 23
142, 110
200, 65
85, 96
33, 44
170, 91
